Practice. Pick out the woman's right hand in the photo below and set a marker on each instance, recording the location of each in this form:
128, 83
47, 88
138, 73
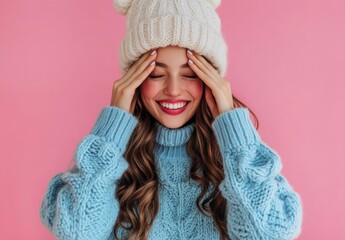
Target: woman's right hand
124, 88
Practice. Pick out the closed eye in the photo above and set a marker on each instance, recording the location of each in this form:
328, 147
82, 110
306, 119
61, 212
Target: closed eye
194, 76
152, 76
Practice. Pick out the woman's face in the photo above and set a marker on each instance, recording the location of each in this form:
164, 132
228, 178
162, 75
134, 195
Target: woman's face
172, 80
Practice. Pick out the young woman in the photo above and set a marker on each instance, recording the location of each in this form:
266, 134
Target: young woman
175, 155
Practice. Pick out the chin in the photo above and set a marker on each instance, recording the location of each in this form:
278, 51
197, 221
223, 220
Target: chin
173, 122
177, 124
173, 125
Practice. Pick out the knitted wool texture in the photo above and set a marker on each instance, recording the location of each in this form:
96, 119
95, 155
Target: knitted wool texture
80, 204
192, 24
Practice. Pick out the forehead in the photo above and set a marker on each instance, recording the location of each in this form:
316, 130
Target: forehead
172, 57
167, 66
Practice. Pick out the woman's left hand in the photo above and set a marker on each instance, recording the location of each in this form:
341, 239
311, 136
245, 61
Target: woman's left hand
218, 92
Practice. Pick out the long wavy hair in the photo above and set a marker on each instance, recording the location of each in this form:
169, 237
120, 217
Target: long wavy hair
137, 188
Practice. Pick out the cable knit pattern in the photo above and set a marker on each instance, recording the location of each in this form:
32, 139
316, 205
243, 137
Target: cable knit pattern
80, 204
192, 24
260, 196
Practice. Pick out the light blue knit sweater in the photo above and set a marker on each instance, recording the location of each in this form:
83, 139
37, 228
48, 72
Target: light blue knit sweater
80, 204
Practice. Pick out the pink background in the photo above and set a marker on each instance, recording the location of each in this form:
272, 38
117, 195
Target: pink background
58, 61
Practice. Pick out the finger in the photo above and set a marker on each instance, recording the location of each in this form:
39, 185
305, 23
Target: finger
201, 74
204, 61
141, 70
132, 70
201, 62
132, 84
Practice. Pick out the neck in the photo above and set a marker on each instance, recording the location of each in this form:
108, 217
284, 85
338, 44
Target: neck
174, 136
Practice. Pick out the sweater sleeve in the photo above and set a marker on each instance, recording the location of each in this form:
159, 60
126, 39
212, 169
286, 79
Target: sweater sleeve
261, 204
80, 204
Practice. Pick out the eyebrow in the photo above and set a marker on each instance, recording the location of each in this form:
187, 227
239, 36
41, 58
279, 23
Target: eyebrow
163, 65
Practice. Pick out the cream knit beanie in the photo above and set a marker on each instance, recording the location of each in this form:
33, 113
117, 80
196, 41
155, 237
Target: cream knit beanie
192, 24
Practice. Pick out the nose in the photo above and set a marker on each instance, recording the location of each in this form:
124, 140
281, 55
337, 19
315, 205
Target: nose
173, 86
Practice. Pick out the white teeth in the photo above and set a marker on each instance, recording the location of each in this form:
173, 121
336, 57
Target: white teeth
173, 106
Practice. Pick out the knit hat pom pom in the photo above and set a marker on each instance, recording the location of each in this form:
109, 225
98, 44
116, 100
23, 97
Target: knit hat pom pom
215, 3
122, 6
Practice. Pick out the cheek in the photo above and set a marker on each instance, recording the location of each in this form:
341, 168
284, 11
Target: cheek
195, 88
149, 89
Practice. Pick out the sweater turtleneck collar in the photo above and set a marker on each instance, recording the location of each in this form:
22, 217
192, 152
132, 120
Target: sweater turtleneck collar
173, 136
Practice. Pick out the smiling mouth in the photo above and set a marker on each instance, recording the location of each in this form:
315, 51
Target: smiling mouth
173, 106
173, 110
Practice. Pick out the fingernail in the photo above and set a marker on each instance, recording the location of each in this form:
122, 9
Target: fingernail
154, 52
152, 63
190, 61
189, 52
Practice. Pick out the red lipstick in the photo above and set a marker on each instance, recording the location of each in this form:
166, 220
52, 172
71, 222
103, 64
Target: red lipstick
173, 101
173, 111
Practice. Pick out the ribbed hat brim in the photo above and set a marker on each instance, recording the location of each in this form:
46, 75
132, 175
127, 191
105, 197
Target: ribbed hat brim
173, 30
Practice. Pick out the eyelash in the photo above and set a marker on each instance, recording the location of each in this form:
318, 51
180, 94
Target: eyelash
152, 76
